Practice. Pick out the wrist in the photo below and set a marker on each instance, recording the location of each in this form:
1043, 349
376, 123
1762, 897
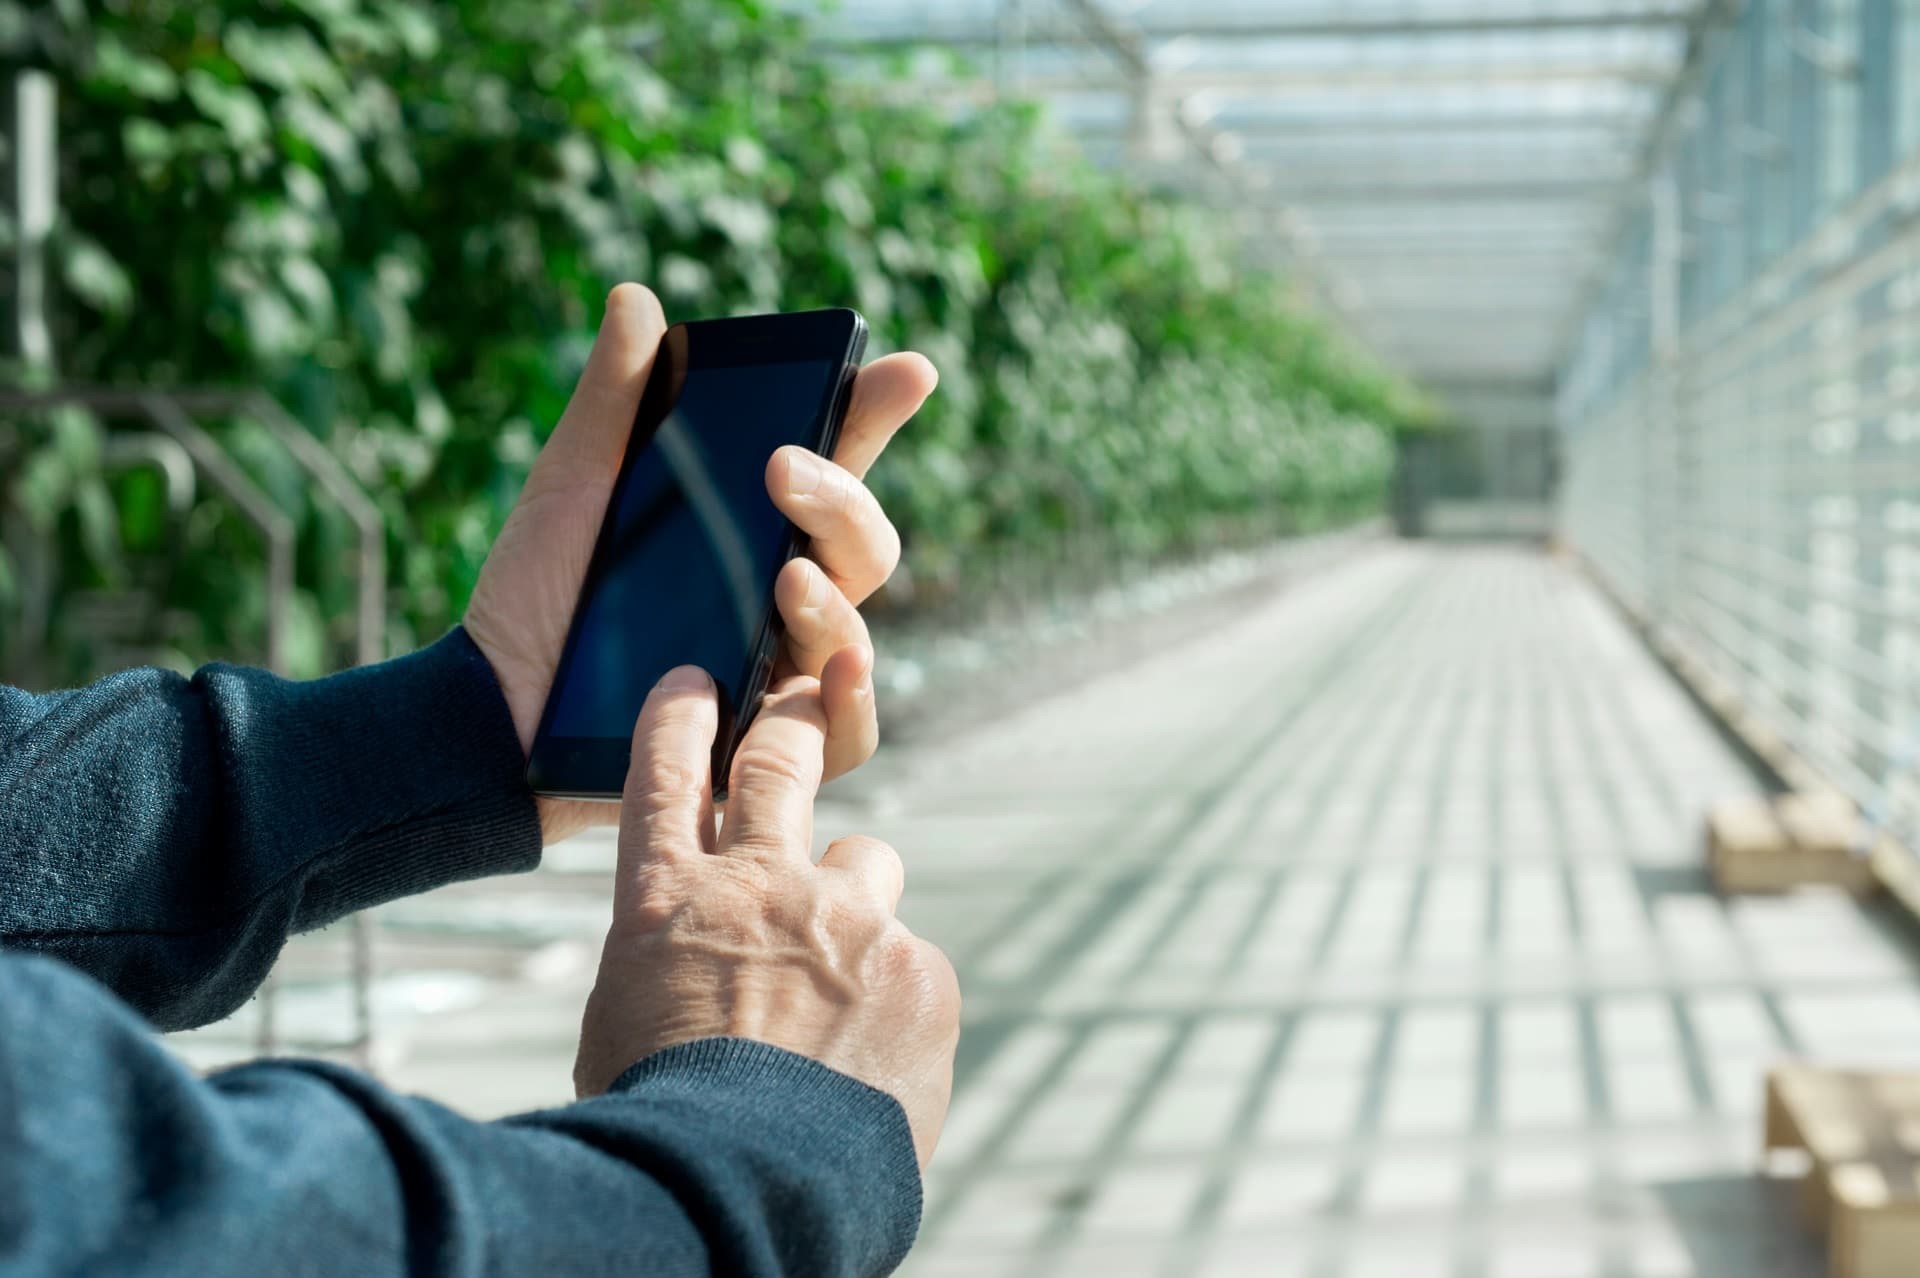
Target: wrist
559, 818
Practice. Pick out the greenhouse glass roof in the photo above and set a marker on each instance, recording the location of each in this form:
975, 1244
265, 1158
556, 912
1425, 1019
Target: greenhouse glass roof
1445, 175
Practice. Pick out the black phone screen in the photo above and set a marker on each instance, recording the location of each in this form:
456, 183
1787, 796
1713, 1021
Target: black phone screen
690, 546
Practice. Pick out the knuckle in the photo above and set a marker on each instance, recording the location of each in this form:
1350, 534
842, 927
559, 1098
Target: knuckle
924, 966
854, 727
760, 766
852, 916
942, 981
761, 838
762, 834
933, 960
841, 493
665, 782
796, 700
880, 854
746, 882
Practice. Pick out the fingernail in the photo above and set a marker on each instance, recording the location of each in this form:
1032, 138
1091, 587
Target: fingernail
685, 679
819, 589
804, 472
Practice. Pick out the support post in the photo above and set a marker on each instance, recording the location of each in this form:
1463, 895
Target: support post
35, 191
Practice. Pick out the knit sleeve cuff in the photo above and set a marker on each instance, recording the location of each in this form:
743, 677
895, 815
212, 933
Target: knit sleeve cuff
853, 1140
407, 775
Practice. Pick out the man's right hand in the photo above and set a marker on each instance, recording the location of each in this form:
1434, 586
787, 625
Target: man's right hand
739, 933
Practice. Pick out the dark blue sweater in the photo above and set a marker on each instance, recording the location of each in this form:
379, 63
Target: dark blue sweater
161, 837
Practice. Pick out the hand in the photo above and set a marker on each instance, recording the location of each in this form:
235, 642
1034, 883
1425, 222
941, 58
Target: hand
739, 933
524, 600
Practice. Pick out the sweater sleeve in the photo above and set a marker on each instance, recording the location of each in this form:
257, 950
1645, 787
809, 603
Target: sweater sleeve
721, 1156
166, 835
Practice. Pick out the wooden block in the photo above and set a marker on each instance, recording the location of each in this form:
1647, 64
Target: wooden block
1820, 822
1861, 1132
1745, 846
1745, 826
1780, 1130
1876, 1230
1756, 844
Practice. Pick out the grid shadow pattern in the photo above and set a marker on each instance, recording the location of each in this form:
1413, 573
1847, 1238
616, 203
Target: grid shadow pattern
1367, 937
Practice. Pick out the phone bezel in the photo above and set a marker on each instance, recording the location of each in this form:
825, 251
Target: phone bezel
595, 768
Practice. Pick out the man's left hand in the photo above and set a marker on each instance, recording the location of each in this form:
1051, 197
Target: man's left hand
523, 603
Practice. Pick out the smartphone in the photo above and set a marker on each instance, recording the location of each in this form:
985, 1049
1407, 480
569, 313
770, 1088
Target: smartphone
683, 569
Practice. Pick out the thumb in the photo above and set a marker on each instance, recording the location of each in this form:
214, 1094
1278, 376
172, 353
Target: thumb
592, 433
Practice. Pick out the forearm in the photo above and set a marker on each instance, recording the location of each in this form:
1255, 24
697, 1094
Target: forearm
166, 835
721, 1156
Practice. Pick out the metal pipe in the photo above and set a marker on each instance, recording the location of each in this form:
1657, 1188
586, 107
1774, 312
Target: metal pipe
35, 198
169, 413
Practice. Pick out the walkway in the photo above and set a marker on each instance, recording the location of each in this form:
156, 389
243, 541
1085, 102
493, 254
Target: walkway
1368, 938
1362, 937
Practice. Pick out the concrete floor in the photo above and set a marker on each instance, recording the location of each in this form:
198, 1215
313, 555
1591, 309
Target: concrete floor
1363, 936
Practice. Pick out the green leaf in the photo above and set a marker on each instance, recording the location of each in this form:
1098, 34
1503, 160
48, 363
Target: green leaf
14, 28
93, 277
99, 525
147, 144
309, 286
143, 509
234, 107
288, 58
319, 128
413, 24
117, 67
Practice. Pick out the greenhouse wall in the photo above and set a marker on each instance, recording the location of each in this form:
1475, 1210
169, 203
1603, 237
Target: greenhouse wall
1742, 411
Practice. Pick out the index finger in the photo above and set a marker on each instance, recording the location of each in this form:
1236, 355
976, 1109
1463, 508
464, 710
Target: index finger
666, 810
776, 774
885, 394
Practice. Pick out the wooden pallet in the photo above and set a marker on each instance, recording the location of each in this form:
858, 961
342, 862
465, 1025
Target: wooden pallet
1862, 1133
1760, 844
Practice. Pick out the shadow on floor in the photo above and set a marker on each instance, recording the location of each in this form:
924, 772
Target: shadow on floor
1742, 1226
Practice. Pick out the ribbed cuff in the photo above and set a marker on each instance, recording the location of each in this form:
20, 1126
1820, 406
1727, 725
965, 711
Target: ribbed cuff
850, 1130
409, 774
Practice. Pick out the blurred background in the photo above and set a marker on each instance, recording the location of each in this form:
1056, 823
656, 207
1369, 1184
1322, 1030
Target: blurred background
1408, 478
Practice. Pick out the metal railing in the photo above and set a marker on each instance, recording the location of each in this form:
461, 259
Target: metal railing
176, 443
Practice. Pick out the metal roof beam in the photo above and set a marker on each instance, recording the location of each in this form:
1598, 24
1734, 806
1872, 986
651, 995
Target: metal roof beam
1505, 284
1398, 312
1123, 44
1339, 27
1712, 17
1182, 83
1417, 259
1255, 129
1569, 191
1492, 385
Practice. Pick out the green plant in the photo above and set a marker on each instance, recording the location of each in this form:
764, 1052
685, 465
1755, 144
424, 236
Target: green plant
400, 217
